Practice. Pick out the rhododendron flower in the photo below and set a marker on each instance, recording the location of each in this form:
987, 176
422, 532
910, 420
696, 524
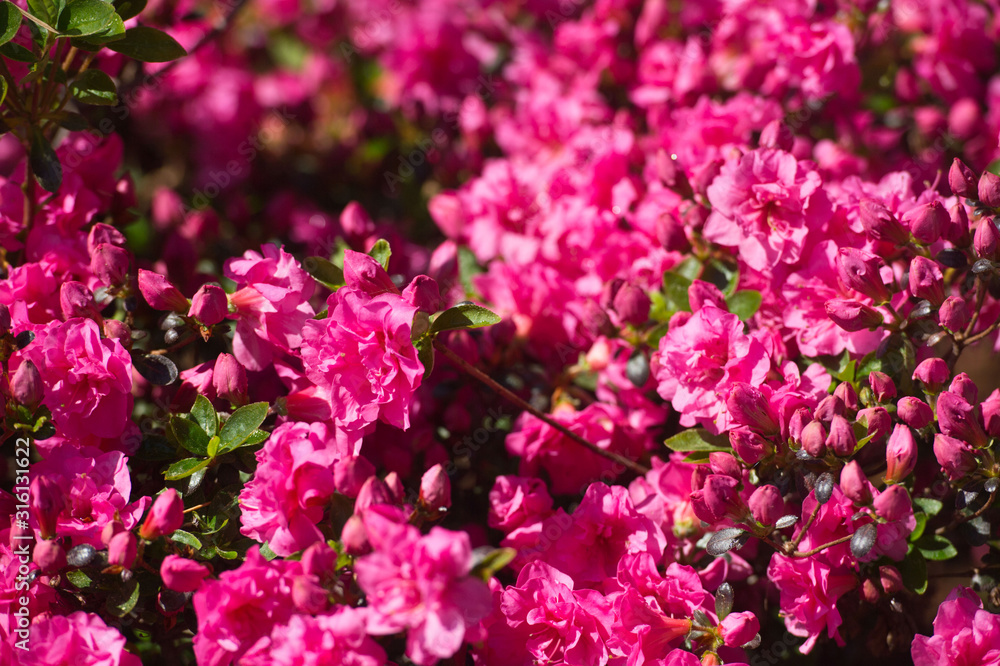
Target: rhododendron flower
809, 591
964, 634
422, 584
701, 359
336, 638
79, 638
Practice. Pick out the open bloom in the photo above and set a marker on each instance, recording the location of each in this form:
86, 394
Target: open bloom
964, 634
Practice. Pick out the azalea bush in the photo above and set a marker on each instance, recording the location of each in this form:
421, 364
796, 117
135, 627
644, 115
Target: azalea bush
506, 333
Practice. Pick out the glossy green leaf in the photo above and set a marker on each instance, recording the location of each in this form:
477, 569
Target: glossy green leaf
46, 10
185, 468
127, 9
918, 531
381, 252
243, 422
326, 273
744, 304
10, 21
3, 89
186, 538
44, 161
931, 507
256, 437
189, 435
936, 547
204, 415
95, 87
914, 571
148, 45
492, 562
464, 316
115, 32
425, 354
85, 17
697, 439
675, 292
17, 52
123, 597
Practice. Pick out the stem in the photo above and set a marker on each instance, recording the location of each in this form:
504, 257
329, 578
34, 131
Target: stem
823, 547
809, 522
489, 381
959, 520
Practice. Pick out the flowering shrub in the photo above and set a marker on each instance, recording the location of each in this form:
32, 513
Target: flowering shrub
590, 333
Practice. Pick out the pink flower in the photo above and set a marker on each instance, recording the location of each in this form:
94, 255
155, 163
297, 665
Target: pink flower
739, 628
88, 380
362, 352
701, 359
422, 584
809, 591
294, 479
964, 634
80, 638
181, 574
166, 516
766, 203
335, 638
515, 501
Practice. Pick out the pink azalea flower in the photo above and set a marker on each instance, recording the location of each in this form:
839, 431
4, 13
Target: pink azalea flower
80, 638
335, 638
964, 634
809, 591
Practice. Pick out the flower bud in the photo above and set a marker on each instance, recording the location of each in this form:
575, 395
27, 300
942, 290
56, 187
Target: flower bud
308, 596
814, 439
632, 304
891, 579
122, 550
893, 503
854, 484
953, 314
882, 386
26, 385
900, 454
957, 418
355, 537
927, 221
749, 406
76, 300
932, 373
859, 271
725, 463
776, 135
49, 556
957, 232
47, 502
230, 380
853, 316
954, 456
914, 412
962, 180
989, 189
160, 293
877, 421
963, 385
373, 491
800, 419
739, 628
350, 474
104, 233
841, 438
718, 499
165, 517
766, 505
749, 446
109, 264
319, 560
395, 486
926, 280
435, 490
702, 293
847, 395
869, 591
209, 305
987, 239
118, 330
881, 224
829, 407
181, 574
991, 414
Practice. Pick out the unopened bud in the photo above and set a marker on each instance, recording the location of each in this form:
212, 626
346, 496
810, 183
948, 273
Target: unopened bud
927, 221
26, 385
954, 456
122, 550
926, 280
181, 574
989, 189
160, 293
749, 446
49, 556
900, 454
766, 505
953, 314
962, 180
209, 305
914, 412
230, 379
957, 418
47, 501
893, 503
814, 439
854, 484
841, 438
749, 406
109, 264
859, 270
165, 517
882, 386
435, 490
932, 373
853, 316
881, 224
77, 300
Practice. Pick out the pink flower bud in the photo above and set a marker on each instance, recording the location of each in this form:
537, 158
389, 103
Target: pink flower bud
891, 579
841, 438
355, 537
47, 501
702, 293
991, 414
957, 232
109, 264
319, 560
869, 591
859, 270
165, 516
423, 293
766, 505
230, 380
882, 386
395, 486
800, 419
373, 491
739, 628
104, 233
181, 574
854, 484
847, 395
914, 412
962, 180
893, 503
308, 596
963, 385
776, 135
829, 407
959, 419
26, 385
122, 550
160, 293
350, 474
749, 406
632, 304
209, 305
953, 314
110, 529
927, 221
954, 456
76, 300
926, 280
989, 189
435, 490
877, 421
118, 330
987, 239
932, 373
814, 439
49, 556
881, 224
718, 499
355, 221
853, 316
749, 446
725, 463
900, 454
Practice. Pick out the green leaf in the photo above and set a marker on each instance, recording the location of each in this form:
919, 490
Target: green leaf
425, 354
86, 17
213, 447
381, 252
17, 52
123, 598
675, 291
79, 578
204, 415
697, 439
324, 272
689, 268
95, 87
914, 571
148, 45
189, 435
463, 316
492, 562
936, 547
44, 162
918, 531
186, 538
115, 32
931, 507
127, 9
185, 468
10, 21
256, 437
744, 304
45, 10
468, 267
243, 422
267, 553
